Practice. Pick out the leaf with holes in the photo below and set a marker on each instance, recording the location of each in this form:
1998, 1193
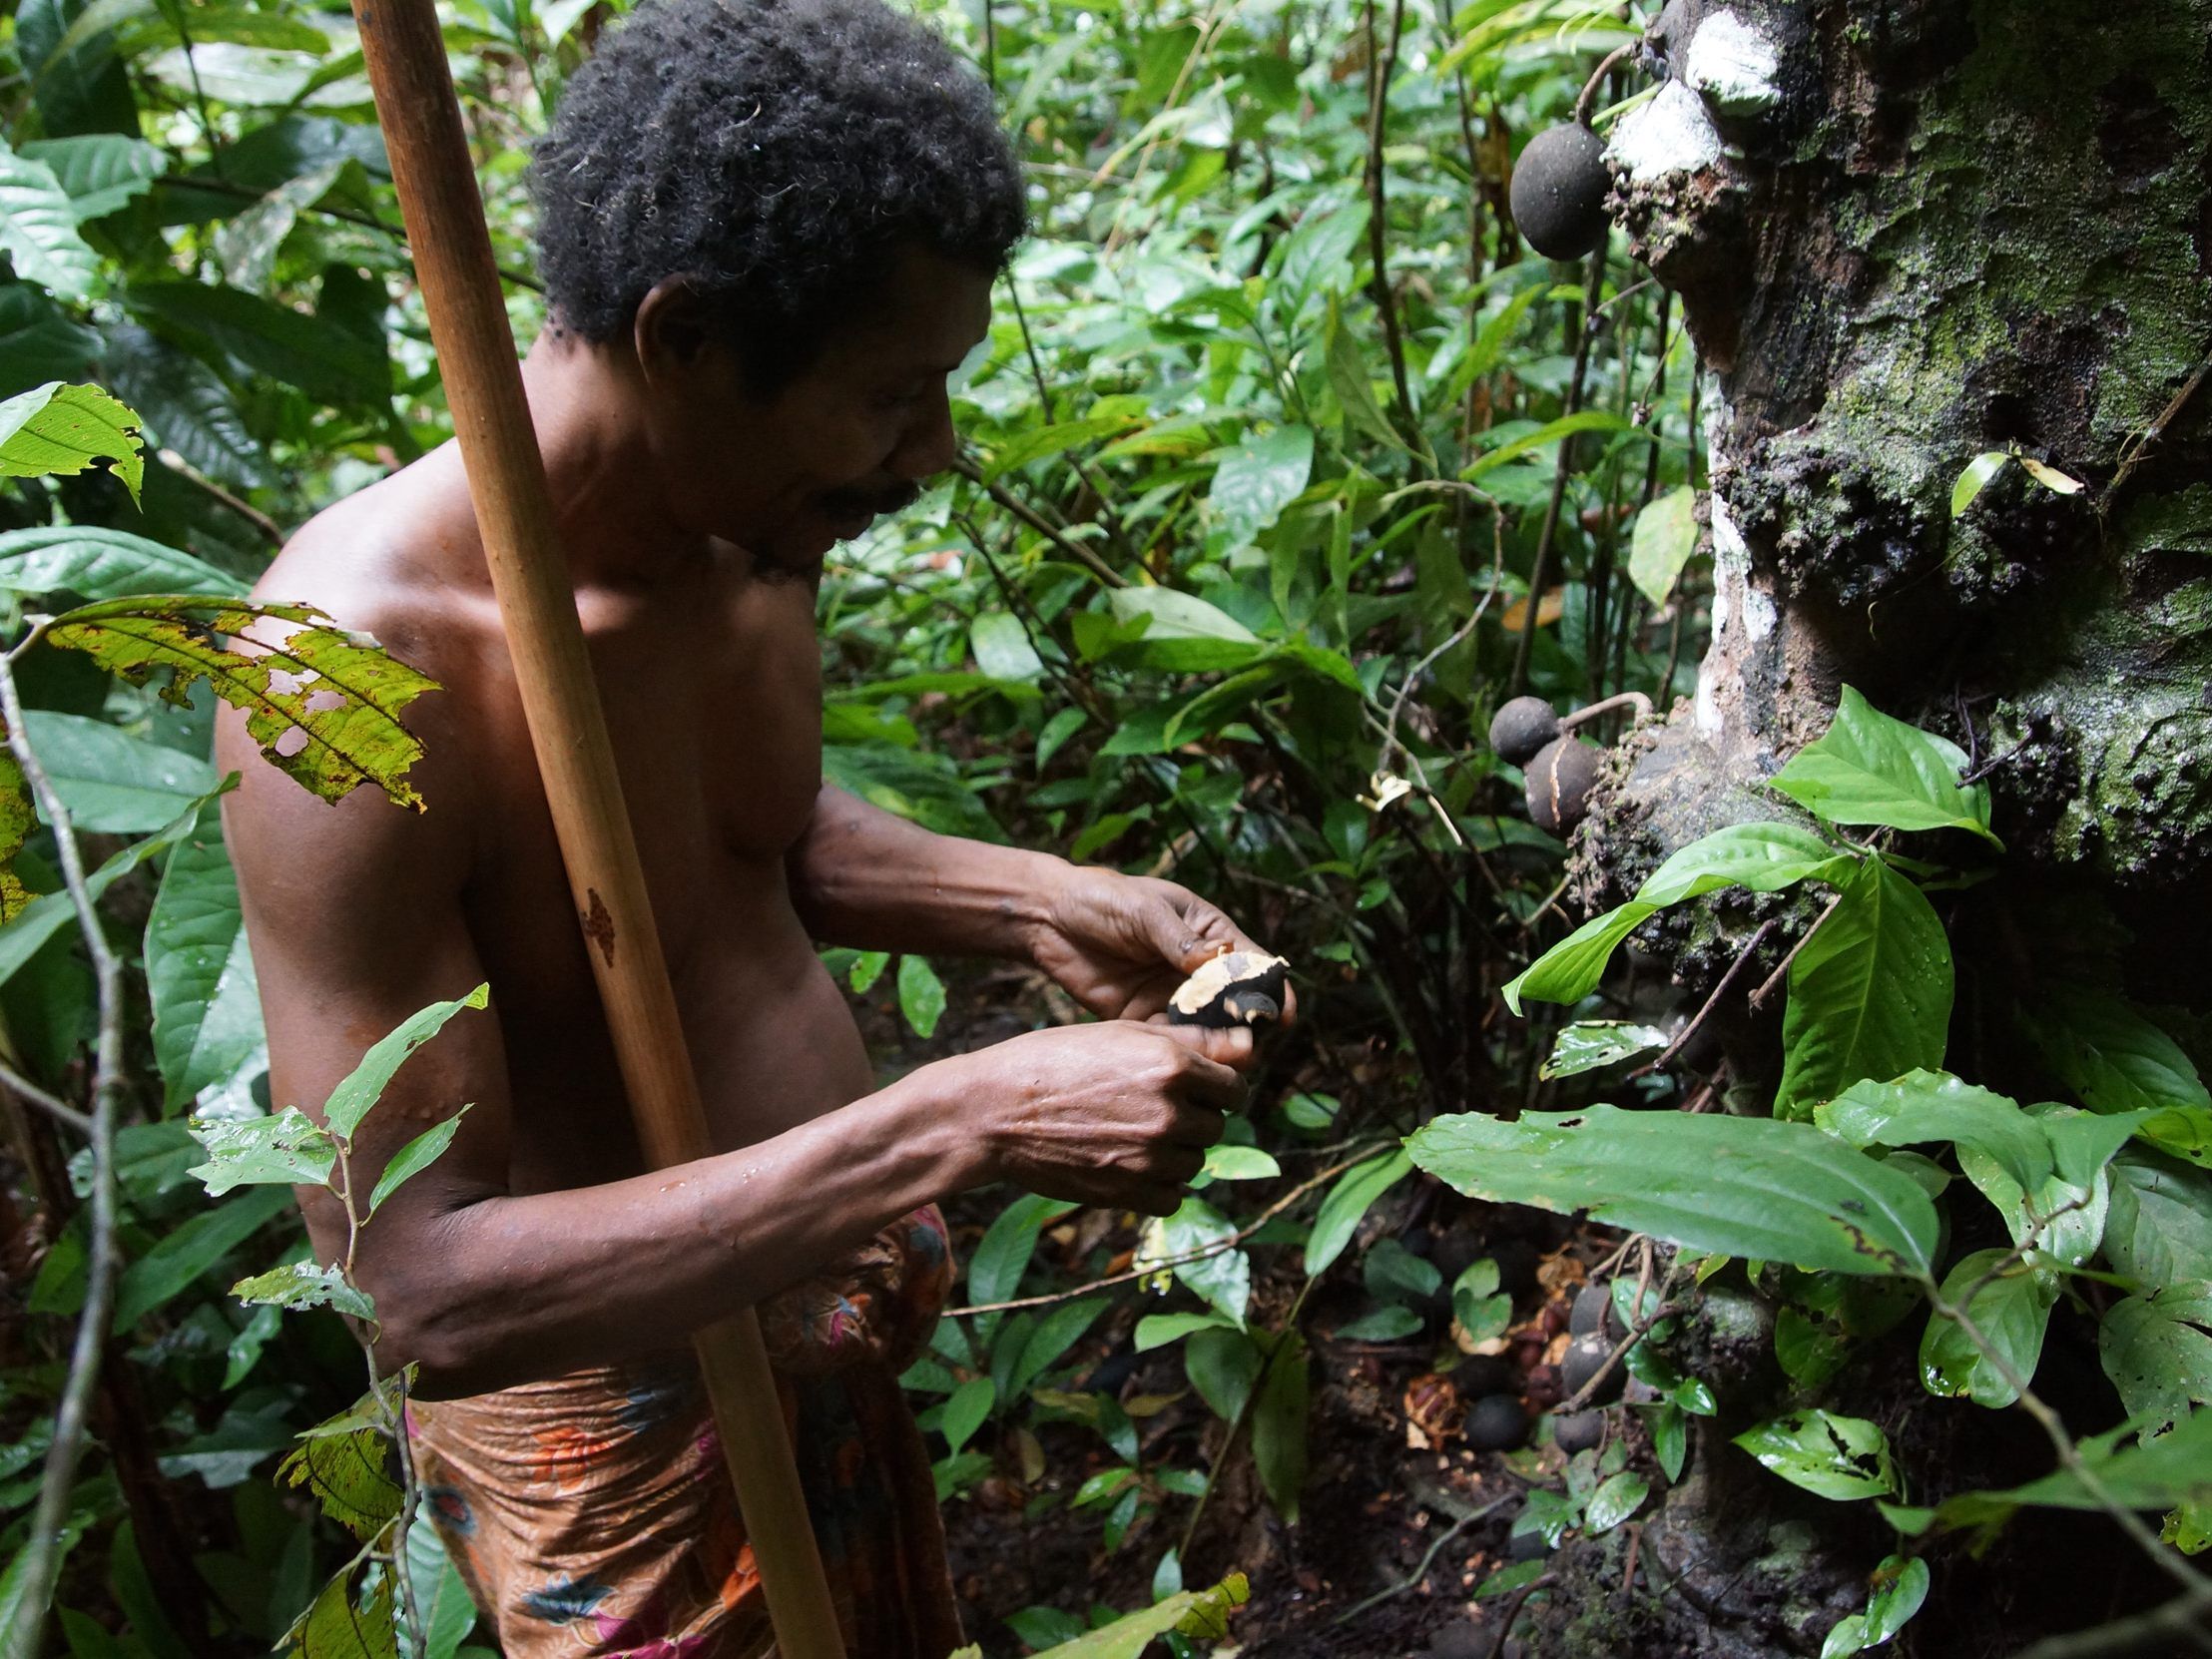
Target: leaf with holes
2158, 1352
62, 430
322, 703
1835, 1456
286, 1147
302, 1284
347, 1463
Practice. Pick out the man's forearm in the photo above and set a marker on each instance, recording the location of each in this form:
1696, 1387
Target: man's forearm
864, 877
511, 1288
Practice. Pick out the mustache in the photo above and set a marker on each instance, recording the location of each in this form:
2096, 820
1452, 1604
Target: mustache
880, 502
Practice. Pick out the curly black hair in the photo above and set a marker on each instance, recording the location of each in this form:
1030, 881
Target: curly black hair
777, 151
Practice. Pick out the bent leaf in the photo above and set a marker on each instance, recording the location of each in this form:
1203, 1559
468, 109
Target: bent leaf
341, 693
2011, 1311
63, 431
351, 1100
1871, 768
1728, 1186
1934, 1106
1349, 1200
38, 229
415, 1157
346, 1462
1834, 1456
302, 1285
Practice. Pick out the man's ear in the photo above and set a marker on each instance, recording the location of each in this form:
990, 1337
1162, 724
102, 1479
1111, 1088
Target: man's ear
674, 328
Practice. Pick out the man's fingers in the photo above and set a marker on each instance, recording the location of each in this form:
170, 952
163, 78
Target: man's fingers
1225, 1045
1199, 1127
1155, 1199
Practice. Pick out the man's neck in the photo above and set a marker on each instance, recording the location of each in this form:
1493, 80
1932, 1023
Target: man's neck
612, 515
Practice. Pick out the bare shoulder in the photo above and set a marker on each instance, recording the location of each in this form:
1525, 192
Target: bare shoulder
398, 561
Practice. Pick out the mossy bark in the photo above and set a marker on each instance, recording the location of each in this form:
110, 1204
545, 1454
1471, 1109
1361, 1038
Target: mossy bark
1905, 234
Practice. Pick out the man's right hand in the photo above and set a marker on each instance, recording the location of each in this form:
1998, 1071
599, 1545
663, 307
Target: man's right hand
1115, 1114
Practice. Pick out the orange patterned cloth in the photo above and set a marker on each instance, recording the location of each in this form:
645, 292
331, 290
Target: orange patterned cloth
592, 1517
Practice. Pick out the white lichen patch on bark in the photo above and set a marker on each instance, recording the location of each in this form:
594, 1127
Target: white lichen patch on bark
1671, 134
1733, 66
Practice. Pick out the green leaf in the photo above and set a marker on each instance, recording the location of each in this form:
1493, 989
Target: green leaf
331, 363
1044, 442
1730, 1186
358, 1091
1278, 1425
181, 1257
340, 689
1901, 1586
39, 342
1481, 1309
1254, 483
1229, 1161
415, 1157
441, 1597
1181, 632
1222, 1366
1871, 768
2111, 1055
38, 921
1347, 378
1395, 1274
111, 781
38, 229
96, 563
1670, 1438
1592, 1045
1977, 474
347, 1463
1869, 993
926, 788
2165, 1471
1614, 1501
1763, 856
184, 406
1048, 1342
1585, 420
1831, 1455
302, 1284
200, 971
867, 967
62, 430
1002, 649
2063, 1218
100, 172
2157, 1352
1159, 1329
2159, 1230
1199, 1613
18, 817
1664, 538
964, 1413
1935, 1106
920, 995
1847, 1635
996, 1269
2011, 1311
1223, 1279
1381, 1324
1347, 1202
287, 1149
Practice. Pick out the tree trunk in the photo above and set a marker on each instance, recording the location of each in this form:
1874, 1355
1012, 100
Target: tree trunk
1902, 236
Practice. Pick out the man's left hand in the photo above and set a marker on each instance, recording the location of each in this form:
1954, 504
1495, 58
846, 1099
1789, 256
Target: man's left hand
1120, 944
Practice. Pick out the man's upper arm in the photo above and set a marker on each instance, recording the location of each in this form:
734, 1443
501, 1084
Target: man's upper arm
354, 915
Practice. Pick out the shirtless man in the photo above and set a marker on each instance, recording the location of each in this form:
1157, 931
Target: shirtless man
768, 229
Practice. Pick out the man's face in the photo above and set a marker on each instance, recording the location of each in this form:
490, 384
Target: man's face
853, 436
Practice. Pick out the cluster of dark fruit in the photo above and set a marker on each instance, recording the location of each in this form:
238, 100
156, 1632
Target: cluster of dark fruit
1559, 192
1560, 768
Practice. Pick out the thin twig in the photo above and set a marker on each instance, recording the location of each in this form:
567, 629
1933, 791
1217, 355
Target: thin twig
1513, 1610
265, 526
1036, 521
1379, 73
42, 1550
1421, 1572
52, 1105
1742, 961
1589, 87
1781, 968
1201, 1254
2145, 1633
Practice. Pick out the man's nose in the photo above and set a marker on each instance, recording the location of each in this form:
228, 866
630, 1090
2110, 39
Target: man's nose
928, 446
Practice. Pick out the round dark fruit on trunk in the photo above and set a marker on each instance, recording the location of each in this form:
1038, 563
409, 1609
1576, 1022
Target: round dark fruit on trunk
1559, 192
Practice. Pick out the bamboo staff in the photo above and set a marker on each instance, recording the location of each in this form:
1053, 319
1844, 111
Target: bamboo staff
430, 164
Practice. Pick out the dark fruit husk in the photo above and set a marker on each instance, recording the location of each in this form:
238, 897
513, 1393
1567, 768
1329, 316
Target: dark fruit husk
1575, 1431
1244, 987
1584, 1359
1497, 1423
1559, 781
1559, 192
1521, 728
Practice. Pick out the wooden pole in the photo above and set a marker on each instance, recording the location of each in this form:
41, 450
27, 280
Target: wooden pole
430, 164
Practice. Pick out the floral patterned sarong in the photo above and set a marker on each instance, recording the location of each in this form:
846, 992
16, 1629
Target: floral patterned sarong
592, 1517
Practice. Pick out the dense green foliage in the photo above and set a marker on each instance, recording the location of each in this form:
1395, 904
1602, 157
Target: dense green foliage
1285, 464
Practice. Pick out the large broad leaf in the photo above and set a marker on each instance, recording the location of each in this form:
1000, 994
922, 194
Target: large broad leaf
63, 431
185, 407
1200, 1614
330, 364
2159, 1228
341, 692
17, 820
102, 172
1935, 1106
351, 1100
1765, 857
1279, 1424
336, 1627
2158, 1353
169, 1268
284, 1149
39, 342
347, 1463
924, 786
1181, 632
1223, 1279
1869, 993
199, 971
1257, 480
111, 781
95, 563
2062, 1218
441, 1598
2112, 1057
1871, 768
44, 916
1723, 1185
1835, 1456
2011, 1311
38, 229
